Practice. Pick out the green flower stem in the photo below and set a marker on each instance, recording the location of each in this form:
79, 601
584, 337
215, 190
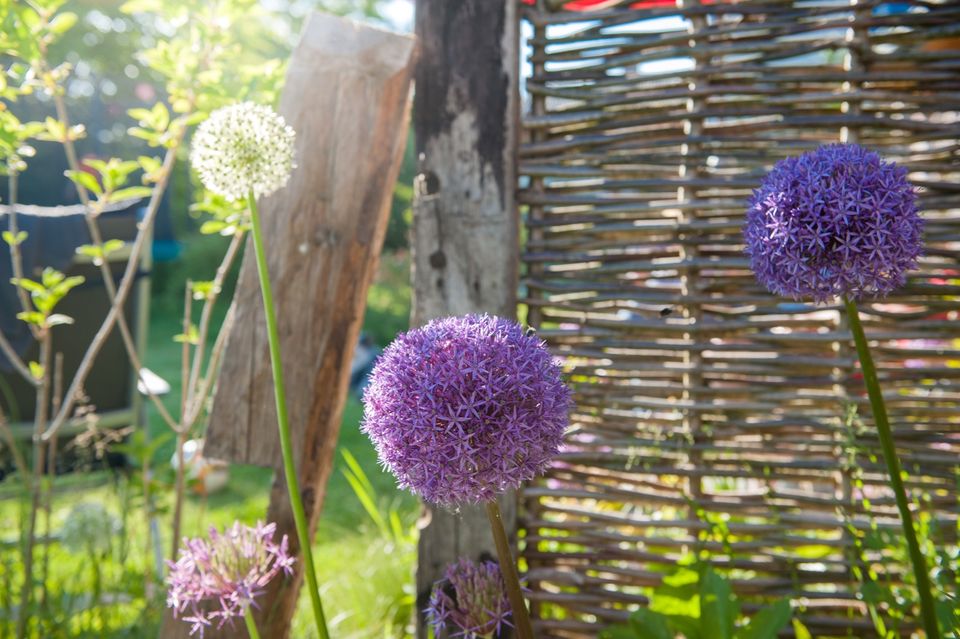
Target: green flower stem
928, 611
251, 624
289, 468
521, 619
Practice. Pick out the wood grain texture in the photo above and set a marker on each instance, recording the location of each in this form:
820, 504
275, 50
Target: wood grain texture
700, 397
465, 225
347, 94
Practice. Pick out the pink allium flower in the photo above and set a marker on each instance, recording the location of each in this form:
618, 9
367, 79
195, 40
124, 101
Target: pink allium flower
217, 579
470, 602
465, 408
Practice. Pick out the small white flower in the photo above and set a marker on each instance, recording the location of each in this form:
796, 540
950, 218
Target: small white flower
89, 528
243, 147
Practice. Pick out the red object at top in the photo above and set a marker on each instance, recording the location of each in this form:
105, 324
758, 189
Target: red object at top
587, 5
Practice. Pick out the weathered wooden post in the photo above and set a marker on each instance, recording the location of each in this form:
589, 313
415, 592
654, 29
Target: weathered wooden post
347, 96
465, 223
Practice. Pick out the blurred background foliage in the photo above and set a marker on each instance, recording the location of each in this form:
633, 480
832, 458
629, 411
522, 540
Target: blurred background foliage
107, 51
124, 55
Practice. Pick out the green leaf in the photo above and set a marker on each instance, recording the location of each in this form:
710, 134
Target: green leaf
111, 246
192, 336
204, 290
617, 632
28, 285
142, 6
647, 624
86, 180
211, 227
62, 23
768, 622
36, 370
718, 610
161, 117
801, 630
131, 192
9, 238
31, 317
143, 116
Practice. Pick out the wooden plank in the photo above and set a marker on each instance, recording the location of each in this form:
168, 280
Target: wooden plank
465, 222
347, 96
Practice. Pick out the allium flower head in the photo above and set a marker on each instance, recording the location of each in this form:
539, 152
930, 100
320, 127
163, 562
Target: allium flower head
242, 147
89, 527
216, 579
470, 602
838, 221
465, 408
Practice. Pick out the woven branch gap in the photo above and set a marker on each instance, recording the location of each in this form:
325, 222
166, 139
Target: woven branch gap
722, 423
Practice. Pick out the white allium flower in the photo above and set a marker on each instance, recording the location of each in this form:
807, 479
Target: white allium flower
242, 147
89, 528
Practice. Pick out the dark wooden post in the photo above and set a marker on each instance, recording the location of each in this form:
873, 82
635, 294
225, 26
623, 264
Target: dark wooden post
465, 250
347, 95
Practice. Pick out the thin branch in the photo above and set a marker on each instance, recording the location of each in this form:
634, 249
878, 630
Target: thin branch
90, 216
215, 355
16, 260
16, 257
126, 285
47, 497
185, 349
11, 442
14, 358
207, 313
40, 420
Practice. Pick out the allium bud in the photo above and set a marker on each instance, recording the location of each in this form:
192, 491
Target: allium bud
470, 602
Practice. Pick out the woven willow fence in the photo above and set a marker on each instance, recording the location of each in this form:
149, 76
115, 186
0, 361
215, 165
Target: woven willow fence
712, 416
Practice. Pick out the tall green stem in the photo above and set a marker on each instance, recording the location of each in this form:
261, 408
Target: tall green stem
251, 624
927, 609
286, 447
521, 619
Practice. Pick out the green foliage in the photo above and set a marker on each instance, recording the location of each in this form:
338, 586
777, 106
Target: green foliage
701, 605
45, 295
388, 300
396, 536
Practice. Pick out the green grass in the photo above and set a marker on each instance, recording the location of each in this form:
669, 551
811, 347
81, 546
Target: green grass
366, 578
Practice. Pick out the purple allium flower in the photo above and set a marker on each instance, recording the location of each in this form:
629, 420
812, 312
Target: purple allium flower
218, 578
465, 408
470, 602
838, 221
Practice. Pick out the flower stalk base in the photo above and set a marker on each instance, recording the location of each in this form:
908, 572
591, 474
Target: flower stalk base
882, 421
521, 619
289, 468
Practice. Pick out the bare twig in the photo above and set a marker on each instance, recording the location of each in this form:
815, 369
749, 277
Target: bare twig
91, 213
215, 354
14, 358
182, 432
11, 443
185, 349
16, 260
207, 313
47, 499
126, 285
16, 257
40, 420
